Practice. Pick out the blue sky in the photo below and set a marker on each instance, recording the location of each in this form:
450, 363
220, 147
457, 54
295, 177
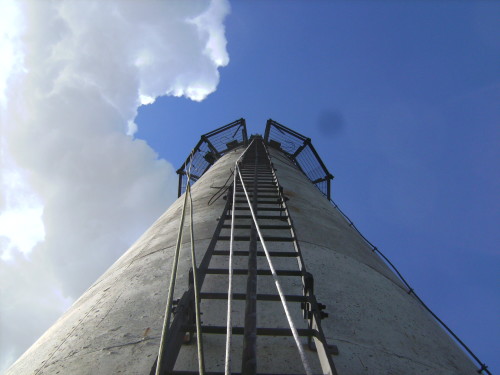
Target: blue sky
399, 98
401, 101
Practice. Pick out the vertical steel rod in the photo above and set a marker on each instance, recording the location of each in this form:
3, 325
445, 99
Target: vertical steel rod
249, 360
199, 339
227, 365
278, 287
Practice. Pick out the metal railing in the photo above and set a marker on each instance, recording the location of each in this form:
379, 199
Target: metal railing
210, 148
302, 153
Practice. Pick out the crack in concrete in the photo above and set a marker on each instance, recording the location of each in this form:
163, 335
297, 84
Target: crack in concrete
430, 365
144, 339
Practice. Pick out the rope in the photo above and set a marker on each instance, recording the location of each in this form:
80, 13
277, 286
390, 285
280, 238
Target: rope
173, 276
168, 310
278, 286
483, 366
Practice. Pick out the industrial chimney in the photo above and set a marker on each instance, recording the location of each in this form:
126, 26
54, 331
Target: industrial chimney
306, 293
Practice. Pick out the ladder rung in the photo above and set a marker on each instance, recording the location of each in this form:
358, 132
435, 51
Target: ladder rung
250, 186
250, 181
244, 271
258, 190
261, 174
281, 209
263, 331
276, 201
263, 217
262, 226
259, 166
251, 174
275, 196
185, 372
283, 254
235, 238
266, 238
260, 297
259, 179
279, 239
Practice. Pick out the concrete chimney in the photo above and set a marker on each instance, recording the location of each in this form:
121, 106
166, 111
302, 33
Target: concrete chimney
371, 323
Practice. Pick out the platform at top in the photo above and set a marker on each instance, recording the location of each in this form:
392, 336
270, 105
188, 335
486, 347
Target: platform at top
218, 142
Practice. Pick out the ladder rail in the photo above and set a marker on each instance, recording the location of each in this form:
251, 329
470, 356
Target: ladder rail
315, 312
183, 321
227, 359
182, 318
305, 362
249, 355
199, 338
173, 276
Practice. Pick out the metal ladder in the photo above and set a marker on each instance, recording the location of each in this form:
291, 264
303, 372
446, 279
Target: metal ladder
269, 206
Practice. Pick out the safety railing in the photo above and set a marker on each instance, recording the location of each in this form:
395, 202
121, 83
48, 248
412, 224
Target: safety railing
209, 149
302, 153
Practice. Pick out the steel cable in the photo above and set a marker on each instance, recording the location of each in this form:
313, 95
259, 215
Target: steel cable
227, 365
227, 361
483, 366
173, 276
277, 283
199, 341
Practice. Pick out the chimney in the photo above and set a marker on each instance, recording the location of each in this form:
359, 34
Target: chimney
307, 293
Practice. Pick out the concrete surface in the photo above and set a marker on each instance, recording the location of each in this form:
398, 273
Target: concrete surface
114, 327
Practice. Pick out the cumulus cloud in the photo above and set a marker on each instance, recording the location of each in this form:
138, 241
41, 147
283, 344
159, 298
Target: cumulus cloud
76, 187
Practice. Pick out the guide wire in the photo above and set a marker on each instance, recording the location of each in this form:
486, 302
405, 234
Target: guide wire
173, 276
277, 283
201, 359
227, 362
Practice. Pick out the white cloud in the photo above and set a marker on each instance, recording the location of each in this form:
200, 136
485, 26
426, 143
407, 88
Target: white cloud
76, 187
210, 24
21, 226
10, 56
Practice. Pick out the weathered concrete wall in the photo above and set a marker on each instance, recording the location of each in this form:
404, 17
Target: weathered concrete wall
379, 329
114, 327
